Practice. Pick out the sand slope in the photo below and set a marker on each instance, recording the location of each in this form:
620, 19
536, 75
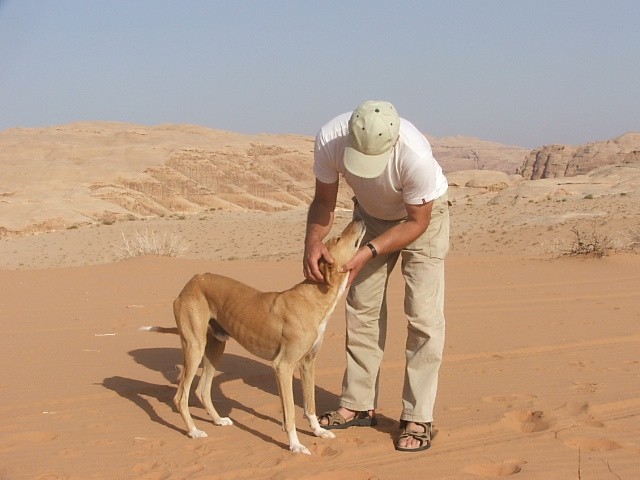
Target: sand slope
101, 172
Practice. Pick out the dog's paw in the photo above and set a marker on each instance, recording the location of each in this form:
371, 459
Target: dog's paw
324, 433
223, 422
195, 433
299, 448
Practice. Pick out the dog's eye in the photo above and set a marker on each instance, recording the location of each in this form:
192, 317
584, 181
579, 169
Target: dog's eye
337, 239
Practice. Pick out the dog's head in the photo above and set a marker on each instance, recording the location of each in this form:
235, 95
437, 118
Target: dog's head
342, 248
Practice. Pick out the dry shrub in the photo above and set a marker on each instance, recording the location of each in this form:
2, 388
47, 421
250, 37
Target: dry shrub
591, 243
150, 243
632, 239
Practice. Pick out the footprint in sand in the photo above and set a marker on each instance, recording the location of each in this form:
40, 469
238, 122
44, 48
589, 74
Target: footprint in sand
149, 444
592, 422
146, 447
324, 451
522, 400
580, 410
22, 440
70, 452
38, 437
100, 442
202, 449
150, 471
592, 444
574, 409
144, 467
497, 469
52, 476
356, 440
99, 427
350, 473
585, 387
192, 469
527, 421
508, 398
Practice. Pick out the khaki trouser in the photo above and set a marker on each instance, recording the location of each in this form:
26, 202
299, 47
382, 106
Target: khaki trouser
366, 316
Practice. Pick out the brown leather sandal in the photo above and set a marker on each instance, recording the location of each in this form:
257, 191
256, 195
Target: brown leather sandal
337, 421
424, 438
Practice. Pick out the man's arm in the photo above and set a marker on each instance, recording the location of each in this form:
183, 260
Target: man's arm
319, 222
394, 239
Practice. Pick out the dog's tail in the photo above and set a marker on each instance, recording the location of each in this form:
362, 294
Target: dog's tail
216, 330
172, 330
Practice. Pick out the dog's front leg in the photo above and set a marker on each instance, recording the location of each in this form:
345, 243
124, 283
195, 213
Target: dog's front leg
307, 377
284, 376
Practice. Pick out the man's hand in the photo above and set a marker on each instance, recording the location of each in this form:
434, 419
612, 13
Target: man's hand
394, 239
312, 256
319, 221
353, 266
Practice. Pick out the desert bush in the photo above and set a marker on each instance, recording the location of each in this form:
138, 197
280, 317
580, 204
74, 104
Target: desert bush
149, 243
552, 248
591, 243
632, 242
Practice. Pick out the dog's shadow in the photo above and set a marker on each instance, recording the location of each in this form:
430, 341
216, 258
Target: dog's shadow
168, 361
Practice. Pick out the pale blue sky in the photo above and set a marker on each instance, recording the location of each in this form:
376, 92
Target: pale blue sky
519, 72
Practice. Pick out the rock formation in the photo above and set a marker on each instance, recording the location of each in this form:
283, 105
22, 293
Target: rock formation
553, 161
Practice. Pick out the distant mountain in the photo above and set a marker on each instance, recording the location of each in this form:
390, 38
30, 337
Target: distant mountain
469, 153
101, 172
554, 161
56, 177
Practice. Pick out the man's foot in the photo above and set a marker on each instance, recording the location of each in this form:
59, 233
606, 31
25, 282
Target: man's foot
345, 418
415, 437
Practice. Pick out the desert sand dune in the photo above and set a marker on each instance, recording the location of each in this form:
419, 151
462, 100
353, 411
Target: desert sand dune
539, 377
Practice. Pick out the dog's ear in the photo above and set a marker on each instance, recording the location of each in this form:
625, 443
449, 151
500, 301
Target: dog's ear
328, 270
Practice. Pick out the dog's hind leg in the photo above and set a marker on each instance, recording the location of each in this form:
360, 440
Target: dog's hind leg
307, 377
212, 355
193, 346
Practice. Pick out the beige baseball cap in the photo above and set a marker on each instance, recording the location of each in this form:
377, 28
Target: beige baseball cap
373, 131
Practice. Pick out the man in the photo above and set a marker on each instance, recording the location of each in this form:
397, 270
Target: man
400, 193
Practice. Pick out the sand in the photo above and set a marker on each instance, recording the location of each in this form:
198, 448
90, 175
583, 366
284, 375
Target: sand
539, 377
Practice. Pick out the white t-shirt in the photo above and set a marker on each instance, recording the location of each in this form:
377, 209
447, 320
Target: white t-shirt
412, 176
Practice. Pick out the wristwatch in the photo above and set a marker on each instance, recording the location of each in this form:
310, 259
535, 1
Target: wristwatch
374, 252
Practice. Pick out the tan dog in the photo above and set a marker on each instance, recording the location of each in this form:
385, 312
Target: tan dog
284, 327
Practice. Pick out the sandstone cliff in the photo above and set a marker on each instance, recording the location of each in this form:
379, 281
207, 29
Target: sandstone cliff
553, 161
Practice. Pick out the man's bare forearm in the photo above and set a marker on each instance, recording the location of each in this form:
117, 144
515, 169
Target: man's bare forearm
319, 222
402, 234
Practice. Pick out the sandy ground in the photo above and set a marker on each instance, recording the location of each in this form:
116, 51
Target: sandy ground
540, 376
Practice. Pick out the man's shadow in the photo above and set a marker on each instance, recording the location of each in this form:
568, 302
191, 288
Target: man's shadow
168, 361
